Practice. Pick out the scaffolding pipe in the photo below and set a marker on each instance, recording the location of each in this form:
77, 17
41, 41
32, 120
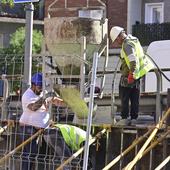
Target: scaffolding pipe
126, 151
82, 68
155, 143
3, 159
162, 164
91, 103
139, 155
160, 139
76, 154
106, 49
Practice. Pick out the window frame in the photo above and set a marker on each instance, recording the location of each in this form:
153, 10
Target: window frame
149, 12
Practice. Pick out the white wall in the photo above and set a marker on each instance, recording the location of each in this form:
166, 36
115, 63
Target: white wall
134, 13
160, 52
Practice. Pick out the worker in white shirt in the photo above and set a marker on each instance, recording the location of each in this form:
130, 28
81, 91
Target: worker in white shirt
34, 117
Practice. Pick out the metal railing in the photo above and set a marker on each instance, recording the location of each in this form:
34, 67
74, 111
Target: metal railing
148, 33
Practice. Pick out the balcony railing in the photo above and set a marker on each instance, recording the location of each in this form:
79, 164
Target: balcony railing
148, 33
18, 11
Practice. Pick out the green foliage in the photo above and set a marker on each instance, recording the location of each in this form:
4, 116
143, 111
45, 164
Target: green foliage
10, 2
14, 55
18, 38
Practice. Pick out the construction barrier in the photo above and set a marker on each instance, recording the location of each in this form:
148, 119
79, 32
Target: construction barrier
139, 155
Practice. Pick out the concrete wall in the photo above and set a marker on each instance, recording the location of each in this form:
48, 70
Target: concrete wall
167, 11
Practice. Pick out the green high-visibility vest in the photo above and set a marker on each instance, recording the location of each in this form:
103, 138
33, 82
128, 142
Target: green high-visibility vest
143, 63
72, 135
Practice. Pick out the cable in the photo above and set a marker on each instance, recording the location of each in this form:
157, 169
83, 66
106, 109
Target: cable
161, 72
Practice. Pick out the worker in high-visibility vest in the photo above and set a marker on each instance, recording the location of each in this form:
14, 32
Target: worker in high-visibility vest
134, 65
64, 140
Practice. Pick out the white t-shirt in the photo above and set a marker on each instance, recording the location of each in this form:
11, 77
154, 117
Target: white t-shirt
39, 118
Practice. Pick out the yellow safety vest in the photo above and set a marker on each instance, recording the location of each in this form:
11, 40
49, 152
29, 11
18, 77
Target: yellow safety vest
72, 135
143, 63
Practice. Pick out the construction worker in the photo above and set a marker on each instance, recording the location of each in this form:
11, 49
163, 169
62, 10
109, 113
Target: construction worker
64, 140
35, 116
134, 65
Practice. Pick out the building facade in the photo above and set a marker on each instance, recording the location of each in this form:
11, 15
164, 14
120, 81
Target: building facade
11, 18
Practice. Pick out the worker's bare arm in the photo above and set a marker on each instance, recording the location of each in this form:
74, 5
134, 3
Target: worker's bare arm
35, 106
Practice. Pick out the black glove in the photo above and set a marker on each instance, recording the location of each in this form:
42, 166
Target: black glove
50, 94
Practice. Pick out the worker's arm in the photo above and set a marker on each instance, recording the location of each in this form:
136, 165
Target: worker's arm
56, 101
130, 52
36, 105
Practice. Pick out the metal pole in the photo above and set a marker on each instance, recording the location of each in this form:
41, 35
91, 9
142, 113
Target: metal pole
158, 96
107, 147
162, 164
165, 142
89, 120
28, 47
105, 67
168, 105
136, 148
82, 69
113, 94
150, 159
121, 148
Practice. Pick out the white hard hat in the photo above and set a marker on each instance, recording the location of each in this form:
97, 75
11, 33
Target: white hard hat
114, 32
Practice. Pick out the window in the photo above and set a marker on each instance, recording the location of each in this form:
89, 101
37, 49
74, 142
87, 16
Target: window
154, 12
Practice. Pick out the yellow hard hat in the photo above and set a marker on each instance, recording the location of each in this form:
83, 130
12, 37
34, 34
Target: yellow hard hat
114, 32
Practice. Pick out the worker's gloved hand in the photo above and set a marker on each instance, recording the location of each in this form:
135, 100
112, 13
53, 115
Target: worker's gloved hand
130, 78
49, 94
45, 94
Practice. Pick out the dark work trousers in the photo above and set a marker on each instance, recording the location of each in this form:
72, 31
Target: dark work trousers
56, 142
129, 94
62, 151
30, 150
